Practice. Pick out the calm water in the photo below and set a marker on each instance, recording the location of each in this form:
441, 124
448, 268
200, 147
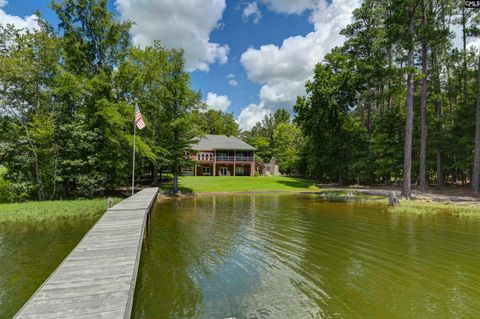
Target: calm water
29, 253
291, 256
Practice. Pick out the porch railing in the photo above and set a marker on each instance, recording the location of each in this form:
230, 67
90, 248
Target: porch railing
226, 158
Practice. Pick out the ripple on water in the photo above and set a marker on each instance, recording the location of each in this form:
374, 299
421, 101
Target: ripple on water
291, 256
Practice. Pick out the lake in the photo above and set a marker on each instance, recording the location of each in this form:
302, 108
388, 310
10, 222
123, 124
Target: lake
298, 256
29, 253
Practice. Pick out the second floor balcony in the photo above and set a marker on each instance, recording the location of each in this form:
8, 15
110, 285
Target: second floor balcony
238, 158
224, 156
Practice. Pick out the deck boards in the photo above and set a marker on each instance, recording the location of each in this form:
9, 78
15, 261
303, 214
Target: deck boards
97, 279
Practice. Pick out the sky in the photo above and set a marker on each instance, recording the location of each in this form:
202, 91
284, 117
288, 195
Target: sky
246, 57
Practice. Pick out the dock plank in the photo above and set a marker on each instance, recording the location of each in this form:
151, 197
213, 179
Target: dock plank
97, 279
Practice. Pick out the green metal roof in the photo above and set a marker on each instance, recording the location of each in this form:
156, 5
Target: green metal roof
221, 142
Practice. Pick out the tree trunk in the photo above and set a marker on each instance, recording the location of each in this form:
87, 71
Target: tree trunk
155, 175
464, 40
476, 157
439, 115
407, 156
369, 112
390, 98
175, 180
423, 108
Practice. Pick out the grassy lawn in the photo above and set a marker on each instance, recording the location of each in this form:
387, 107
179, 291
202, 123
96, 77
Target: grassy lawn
52, 210
211, 184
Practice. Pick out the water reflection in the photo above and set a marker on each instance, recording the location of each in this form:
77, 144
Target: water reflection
291, 256
29, 252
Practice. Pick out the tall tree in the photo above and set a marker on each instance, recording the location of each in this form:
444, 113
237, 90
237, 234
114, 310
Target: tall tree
181, 101
27, 97
475, 181
423, 101
323, 116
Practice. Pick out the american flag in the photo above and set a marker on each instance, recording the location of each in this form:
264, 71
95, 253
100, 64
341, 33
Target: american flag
138, 118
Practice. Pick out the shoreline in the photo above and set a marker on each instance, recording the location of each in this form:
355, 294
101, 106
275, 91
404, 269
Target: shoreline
419, 205
417, 196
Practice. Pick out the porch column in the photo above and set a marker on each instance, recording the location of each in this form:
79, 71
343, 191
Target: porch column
214, 163
234, 161
252, 169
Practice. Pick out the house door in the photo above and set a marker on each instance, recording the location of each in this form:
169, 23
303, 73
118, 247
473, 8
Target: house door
223, 171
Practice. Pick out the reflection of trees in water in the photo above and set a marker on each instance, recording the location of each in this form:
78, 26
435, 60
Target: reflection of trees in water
190, 240
291, 256
29, 253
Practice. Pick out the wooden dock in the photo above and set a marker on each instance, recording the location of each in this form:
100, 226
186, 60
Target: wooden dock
97, 279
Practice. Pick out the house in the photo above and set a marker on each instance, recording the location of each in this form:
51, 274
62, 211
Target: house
220, 155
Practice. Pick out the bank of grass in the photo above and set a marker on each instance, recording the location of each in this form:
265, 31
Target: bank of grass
330, 194
415, 206
423, 207
49, 211
219, 184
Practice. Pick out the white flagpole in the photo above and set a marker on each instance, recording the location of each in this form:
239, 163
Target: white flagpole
134, 138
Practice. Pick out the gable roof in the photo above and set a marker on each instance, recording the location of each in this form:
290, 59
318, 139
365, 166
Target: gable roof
221, 142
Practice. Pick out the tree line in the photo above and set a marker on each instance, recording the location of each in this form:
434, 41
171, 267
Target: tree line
398, 101
67, 96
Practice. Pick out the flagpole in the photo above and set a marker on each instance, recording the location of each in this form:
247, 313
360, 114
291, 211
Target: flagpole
133, 166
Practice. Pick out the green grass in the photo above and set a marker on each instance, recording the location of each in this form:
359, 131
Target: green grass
214, 184
422, 207
48, 211
334, 195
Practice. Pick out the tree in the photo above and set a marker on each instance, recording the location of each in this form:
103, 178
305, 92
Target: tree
281, 116
261, 136
180, 103
423, 108
323, 116
216, 122
27, 98
288, 151
476, 158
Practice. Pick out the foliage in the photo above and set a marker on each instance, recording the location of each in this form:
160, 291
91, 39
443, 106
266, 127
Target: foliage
216, 122
261, 136
288, 149
67, 105
324, 117
5, 187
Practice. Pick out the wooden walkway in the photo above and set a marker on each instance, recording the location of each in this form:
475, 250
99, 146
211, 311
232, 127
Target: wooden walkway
97, 279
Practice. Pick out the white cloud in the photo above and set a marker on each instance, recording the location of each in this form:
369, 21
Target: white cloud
217, 102
250, 116
252, 10
231, 80
290, 6
185, 24
28, 22
283, 70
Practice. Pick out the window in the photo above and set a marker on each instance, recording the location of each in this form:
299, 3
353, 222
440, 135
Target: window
205, 170
187, 171
239, 171
223, 171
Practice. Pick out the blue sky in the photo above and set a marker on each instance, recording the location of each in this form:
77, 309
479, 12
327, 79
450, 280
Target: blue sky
246, 57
